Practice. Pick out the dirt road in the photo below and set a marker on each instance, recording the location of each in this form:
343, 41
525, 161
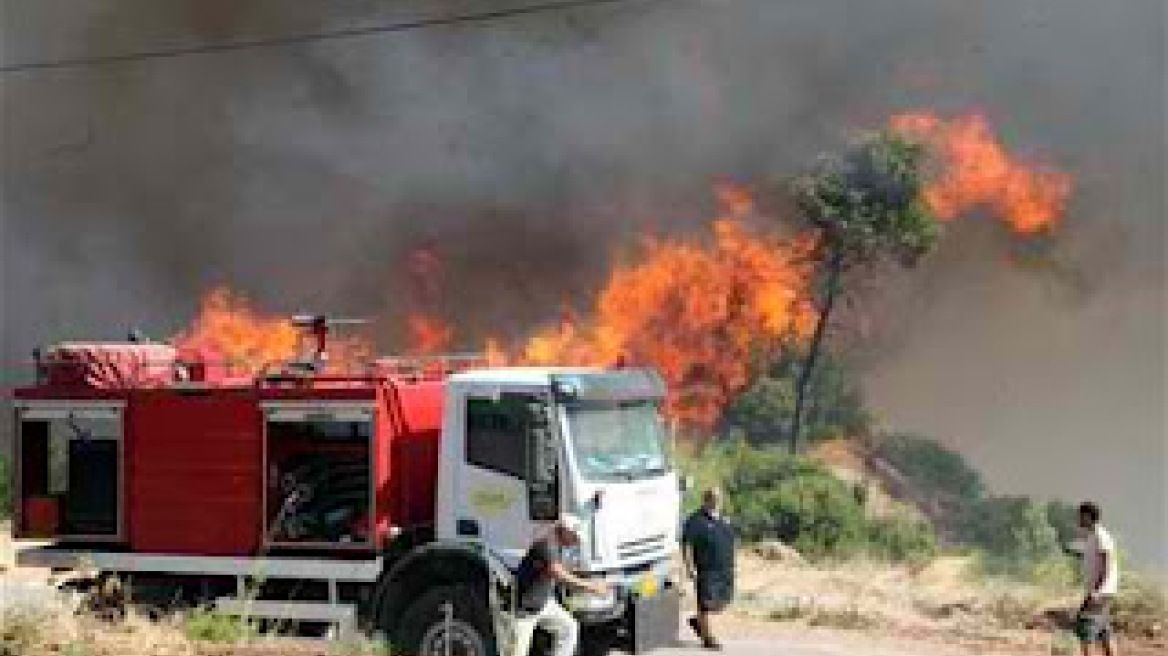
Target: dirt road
745, 637
762, 647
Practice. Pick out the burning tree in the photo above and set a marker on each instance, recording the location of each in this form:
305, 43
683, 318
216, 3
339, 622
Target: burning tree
865, 206
696, 310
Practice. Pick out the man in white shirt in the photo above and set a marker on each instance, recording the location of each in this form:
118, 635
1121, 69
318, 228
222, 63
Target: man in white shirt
1101, 578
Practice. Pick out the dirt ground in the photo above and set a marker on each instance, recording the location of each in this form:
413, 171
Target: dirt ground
851, 610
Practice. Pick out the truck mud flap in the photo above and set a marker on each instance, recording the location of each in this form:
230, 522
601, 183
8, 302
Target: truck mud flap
653, 621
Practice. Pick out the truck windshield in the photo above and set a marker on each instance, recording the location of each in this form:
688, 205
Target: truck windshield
618, 441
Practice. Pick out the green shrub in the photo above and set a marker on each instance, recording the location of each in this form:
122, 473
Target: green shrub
900, 538
815, 513
772, 495
5, 488
1055, 571
930, 467
210, 625
1064, 518
834, 405
1015, 536
706, 469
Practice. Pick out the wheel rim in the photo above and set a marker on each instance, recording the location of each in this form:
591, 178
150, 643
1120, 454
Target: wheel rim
464, 640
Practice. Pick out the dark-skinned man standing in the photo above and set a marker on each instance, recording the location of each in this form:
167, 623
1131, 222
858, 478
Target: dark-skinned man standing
708, 550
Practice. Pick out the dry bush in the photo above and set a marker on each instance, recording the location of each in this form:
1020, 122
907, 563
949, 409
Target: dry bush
21, 629
1141, 609
359, 645
1010, 610
850, 617
34, 617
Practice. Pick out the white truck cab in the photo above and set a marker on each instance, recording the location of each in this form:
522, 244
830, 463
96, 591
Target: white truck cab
523, 446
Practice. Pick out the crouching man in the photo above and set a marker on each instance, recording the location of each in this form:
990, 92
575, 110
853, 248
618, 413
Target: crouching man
539, 572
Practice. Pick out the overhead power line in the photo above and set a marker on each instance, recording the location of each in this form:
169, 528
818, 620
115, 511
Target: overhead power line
296, 39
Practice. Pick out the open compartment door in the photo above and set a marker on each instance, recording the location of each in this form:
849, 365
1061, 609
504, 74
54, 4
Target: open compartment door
319, 461
69, 461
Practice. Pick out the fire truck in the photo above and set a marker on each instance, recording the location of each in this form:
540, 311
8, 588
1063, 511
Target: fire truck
396, 498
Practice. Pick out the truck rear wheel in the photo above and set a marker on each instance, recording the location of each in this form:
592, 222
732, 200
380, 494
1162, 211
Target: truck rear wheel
455, 614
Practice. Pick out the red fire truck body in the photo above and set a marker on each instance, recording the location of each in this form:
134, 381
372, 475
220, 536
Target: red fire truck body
193, 455
398, 497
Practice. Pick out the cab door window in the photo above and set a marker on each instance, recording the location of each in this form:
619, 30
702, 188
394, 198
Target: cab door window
512, 435
496, 435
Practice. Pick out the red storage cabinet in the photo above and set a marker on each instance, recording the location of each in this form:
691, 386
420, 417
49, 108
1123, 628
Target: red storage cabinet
195, 472
42, 517
409, 432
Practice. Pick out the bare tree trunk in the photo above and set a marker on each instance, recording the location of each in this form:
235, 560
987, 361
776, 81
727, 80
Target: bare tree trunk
834, 269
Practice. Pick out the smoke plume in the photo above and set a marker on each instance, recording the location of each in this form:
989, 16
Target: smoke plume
525, 153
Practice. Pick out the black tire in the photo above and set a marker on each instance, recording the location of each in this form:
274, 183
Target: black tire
422, 628
598, 639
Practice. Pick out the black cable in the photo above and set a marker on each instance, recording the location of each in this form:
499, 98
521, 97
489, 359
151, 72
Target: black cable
295, 39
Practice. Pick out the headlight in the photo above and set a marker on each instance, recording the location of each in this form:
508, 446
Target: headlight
583, 600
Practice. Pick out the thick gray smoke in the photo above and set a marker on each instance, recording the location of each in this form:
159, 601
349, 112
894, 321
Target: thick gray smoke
524, 152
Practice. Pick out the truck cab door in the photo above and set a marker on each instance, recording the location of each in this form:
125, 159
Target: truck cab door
510, 481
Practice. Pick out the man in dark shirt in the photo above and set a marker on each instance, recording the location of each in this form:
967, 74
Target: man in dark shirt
535, 580
708, 550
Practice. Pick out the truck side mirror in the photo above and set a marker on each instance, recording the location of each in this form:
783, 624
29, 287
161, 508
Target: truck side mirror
543, 475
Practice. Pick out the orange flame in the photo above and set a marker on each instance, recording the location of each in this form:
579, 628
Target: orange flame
428, 335
976, 171
228, 330
698, 312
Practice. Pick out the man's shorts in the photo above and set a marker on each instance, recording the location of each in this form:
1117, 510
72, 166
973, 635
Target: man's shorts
1093, 623
715, 591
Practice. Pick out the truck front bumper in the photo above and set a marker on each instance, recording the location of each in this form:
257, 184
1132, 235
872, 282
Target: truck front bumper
638, 624
652, 622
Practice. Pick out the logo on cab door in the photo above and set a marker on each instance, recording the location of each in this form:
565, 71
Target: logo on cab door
491, 500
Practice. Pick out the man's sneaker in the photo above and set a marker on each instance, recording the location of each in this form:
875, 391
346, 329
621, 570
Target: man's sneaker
697, 628
711, 644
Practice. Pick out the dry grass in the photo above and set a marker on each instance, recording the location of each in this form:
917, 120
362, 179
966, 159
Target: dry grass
37, 620
943, 603
945, 599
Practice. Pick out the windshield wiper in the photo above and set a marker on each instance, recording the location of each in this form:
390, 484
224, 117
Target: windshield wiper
635, 473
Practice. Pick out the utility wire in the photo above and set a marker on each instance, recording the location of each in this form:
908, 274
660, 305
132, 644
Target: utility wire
295, 39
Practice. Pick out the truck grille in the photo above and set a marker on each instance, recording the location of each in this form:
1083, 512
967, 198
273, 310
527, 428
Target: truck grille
641, 547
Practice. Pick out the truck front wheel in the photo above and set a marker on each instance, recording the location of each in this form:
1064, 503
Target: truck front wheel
447, 621
598, 639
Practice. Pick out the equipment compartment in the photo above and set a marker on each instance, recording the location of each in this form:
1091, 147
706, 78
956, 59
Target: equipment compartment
70, 463
319, 490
